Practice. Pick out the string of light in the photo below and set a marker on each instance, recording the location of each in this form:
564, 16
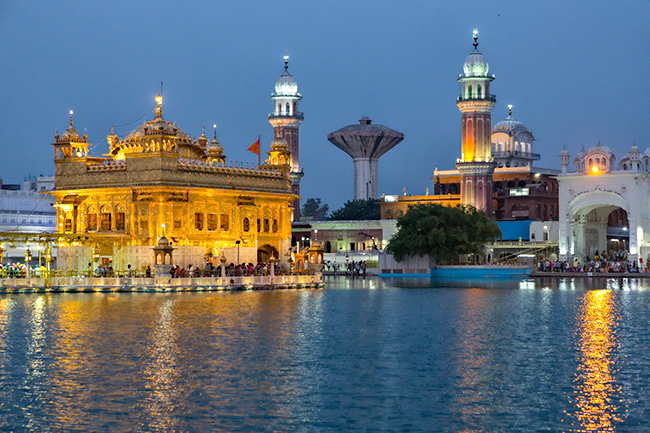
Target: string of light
121, 126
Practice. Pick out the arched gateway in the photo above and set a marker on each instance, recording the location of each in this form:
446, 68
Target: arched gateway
603, 208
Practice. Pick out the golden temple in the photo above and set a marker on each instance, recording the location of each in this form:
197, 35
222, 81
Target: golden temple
157, 181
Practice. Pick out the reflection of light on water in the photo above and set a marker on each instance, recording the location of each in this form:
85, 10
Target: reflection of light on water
162, 371
35, 365
597, 393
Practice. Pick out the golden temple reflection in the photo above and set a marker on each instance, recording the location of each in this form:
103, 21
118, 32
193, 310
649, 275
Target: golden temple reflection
597, 396
162, 371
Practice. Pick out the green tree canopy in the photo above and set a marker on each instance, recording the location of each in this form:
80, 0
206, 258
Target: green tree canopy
442, 232
357, 210
314, 209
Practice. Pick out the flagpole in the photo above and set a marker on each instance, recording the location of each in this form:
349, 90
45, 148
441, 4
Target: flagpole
259, 151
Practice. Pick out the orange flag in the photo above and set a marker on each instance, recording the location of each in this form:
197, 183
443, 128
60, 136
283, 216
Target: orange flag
255, 147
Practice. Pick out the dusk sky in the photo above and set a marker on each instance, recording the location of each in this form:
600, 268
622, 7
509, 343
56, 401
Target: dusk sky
574, 72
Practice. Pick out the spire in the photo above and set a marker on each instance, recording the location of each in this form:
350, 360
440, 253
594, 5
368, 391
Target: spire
71, 121
475, 36
286, 60
214, 134
509, 109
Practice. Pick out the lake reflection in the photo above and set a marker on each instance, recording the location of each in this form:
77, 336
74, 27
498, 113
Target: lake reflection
374, 354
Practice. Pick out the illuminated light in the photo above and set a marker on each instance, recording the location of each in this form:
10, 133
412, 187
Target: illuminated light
71, 112
159, 100
594, 169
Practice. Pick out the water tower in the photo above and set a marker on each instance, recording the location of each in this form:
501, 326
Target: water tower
365, 143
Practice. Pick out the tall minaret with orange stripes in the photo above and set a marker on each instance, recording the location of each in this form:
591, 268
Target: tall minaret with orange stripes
475, 102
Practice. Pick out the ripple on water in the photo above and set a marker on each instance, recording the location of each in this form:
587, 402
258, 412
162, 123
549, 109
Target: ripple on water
360, 355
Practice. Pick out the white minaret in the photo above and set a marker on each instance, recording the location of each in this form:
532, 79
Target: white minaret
286, 120
564, 160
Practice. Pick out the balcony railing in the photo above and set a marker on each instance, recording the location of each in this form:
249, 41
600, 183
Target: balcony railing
509, 153
485, 97
296, 114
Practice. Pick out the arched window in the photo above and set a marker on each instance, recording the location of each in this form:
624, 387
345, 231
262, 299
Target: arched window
288, 105
389, 214
105, 219
247, 225
469, 92
274, 225
400, 213
478, 91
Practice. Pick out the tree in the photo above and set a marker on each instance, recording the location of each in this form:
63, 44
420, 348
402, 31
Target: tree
357, 210
442, 232
313, 208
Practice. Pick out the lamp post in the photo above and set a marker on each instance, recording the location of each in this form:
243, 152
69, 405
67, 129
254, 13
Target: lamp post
223, 266
28, 258
96, 253
40, 256
302, 243
48, 259
347, 263
237, 242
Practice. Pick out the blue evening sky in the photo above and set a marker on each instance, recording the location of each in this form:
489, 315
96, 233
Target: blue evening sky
574, 72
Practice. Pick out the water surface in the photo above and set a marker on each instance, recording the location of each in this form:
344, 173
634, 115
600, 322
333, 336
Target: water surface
389, 354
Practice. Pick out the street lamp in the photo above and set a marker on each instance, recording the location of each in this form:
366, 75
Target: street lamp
223, 266
237, 242
48, 259
302, 243
28, 258
40, 256
96, 254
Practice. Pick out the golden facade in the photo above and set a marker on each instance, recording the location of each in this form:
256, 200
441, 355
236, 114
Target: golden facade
158, 180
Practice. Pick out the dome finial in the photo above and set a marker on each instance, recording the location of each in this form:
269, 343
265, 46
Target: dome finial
71, 121
286, 60
214, 135
475, 36
159, 105
509, 109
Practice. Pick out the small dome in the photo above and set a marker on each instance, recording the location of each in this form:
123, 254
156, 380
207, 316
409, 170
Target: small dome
71, 134
163, 241
215, 147
475, 65
600, 148
582, 153
279, 143
510, 126
286, 84
564, 152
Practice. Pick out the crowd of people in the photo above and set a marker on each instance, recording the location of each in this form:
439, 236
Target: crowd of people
352, 268
13, 270
231, 270
610, 261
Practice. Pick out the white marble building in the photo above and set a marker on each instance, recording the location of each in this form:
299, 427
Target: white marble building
25, 209
596, 188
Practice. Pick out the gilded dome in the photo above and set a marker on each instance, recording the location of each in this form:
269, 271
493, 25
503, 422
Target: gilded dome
157, 126
279, 143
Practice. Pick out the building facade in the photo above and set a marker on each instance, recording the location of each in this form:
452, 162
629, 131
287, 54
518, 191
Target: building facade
495, 170
604, 205
157, 181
